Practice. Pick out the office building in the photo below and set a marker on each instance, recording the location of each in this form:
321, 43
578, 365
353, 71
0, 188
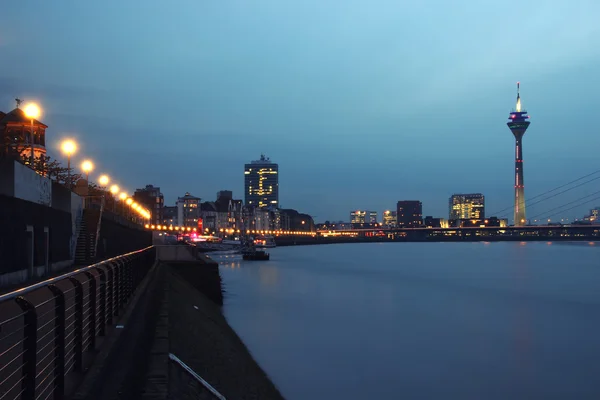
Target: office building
390, 219
409, 214
518, 124
261, 183
363, 217
466, 206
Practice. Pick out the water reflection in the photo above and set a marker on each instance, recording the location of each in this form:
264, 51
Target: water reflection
422, 320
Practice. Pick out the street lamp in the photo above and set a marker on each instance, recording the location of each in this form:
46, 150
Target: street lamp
32, 111
114, 189
103, 180
68, 147
87, 166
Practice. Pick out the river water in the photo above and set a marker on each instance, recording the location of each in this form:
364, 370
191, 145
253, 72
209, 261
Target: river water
422, 320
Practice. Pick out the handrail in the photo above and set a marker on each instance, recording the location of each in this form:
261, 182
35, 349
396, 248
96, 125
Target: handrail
197, 377
22, 291
45, 336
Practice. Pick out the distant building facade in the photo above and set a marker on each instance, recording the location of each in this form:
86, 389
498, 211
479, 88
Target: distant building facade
261, 183
359, 217
170, 216
431, 222
152, 199
466, 206
390, 219
188, 210
409, 214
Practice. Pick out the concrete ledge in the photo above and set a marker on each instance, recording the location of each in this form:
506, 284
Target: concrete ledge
157, 377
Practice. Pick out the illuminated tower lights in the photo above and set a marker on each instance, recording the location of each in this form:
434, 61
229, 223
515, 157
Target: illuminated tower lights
518, 124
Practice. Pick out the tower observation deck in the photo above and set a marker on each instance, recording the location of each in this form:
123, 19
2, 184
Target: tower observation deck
518, 124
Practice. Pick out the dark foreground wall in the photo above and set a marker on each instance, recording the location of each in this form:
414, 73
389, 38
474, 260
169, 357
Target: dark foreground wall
16, 217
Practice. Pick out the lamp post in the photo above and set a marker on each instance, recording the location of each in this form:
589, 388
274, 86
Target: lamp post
114, 189
122, 197
87, 166
68, 147
32, 111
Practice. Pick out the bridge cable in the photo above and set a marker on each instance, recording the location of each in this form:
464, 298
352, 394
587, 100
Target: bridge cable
555, 194
566, 204
575, 206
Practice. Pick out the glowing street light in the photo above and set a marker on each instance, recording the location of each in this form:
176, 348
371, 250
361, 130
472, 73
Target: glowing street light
122, 196
68, 147
129, 201
114, 189
87, 166
103, 180
32, 111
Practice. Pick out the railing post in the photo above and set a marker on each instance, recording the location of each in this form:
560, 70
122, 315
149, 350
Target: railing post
110, 295
102, 316
59, 342
78, 327
130, 265
30, 348
92, 325
117, 288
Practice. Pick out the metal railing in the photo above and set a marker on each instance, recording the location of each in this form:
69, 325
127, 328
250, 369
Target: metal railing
46, 329
197, 377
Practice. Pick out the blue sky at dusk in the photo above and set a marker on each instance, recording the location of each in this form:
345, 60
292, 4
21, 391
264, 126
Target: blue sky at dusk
362, 103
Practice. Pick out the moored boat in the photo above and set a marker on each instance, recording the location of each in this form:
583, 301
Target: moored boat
264, 242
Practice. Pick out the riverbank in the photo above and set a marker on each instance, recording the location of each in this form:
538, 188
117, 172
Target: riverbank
201, 337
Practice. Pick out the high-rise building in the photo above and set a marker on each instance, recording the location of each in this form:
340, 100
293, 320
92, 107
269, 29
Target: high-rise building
409, 214
261, 183
518, 124
188, 210
363, 217
466, 206
390, 218
153, 200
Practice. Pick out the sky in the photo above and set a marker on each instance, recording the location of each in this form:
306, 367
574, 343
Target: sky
361, 103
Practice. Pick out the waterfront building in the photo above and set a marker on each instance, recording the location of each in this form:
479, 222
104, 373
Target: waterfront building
292, 220
390, 219
153, 200
363, 217
518, 124
16, 133
431, 222
466, 206
409, 214
261, 183
188, 210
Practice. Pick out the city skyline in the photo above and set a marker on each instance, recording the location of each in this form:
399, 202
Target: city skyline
331, 96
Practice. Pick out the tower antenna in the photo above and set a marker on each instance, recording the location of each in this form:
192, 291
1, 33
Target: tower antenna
518, 107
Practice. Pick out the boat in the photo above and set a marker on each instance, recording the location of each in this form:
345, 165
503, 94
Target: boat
258, 255
264, 242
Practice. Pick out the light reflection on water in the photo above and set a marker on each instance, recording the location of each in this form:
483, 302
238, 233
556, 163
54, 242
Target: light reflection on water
422, 320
